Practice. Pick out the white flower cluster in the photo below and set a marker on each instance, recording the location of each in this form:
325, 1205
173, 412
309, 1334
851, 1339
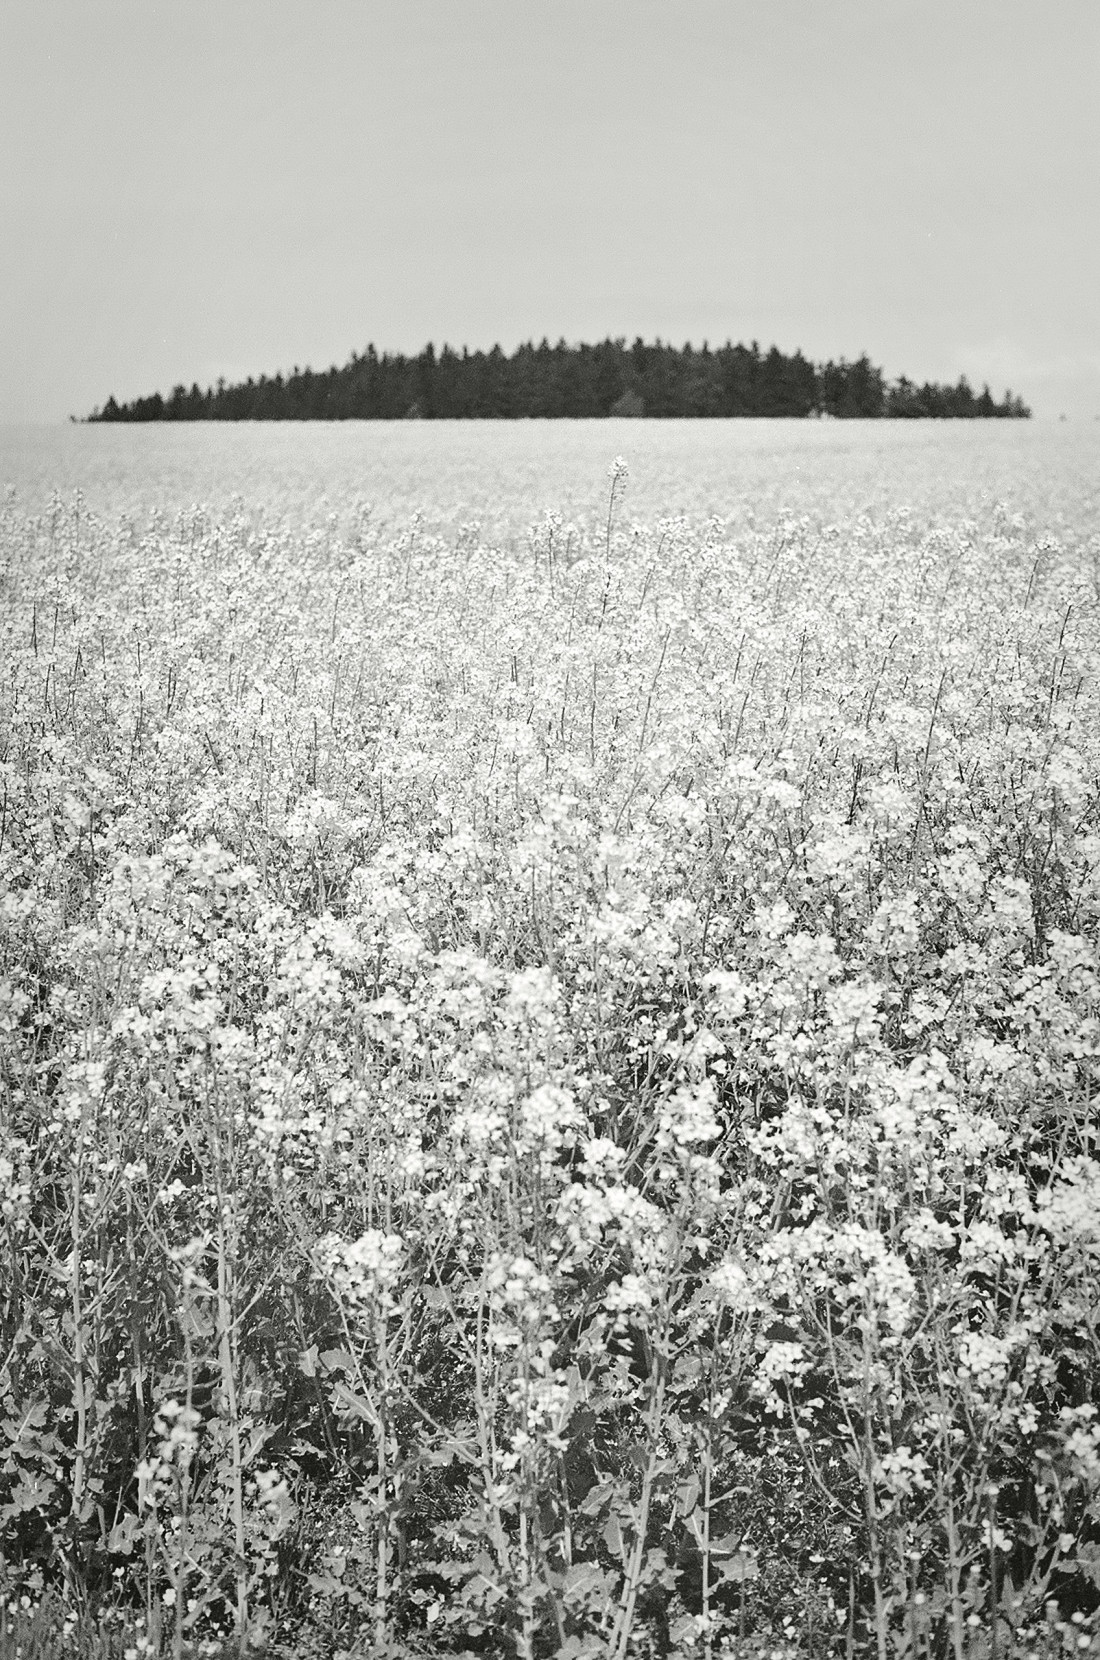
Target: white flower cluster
366, 1272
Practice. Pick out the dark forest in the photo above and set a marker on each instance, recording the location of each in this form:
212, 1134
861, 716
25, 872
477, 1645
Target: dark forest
566, 381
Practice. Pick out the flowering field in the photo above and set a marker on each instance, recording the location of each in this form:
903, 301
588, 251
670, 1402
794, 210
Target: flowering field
549, 1086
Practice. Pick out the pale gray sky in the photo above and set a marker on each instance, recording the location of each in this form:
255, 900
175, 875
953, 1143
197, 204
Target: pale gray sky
208, 187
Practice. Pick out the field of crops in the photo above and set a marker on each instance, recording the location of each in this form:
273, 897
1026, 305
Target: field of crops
549, 1093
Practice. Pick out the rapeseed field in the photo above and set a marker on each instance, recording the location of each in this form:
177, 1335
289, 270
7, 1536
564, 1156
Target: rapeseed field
549, 1086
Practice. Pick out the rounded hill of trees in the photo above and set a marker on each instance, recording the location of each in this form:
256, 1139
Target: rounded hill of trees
571, 381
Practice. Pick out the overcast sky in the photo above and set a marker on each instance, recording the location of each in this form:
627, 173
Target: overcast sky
227, 187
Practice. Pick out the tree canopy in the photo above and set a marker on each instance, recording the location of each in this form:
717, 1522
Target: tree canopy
610, 378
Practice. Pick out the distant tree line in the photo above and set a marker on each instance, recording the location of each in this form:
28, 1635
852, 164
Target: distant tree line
610, 378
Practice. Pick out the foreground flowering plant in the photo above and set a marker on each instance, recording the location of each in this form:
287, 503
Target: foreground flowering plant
549, 1099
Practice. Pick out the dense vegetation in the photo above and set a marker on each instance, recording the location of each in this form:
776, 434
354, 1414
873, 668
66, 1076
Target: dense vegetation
577, 381
548, 1098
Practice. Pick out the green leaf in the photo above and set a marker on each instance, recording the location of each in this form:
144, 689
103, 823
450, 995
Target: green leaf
120, 1541
1086, 1562
351, 1402
326, 1585
337, 1360
656, 1570
582, 1579
738, 1568
687, 1495
31, 1492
